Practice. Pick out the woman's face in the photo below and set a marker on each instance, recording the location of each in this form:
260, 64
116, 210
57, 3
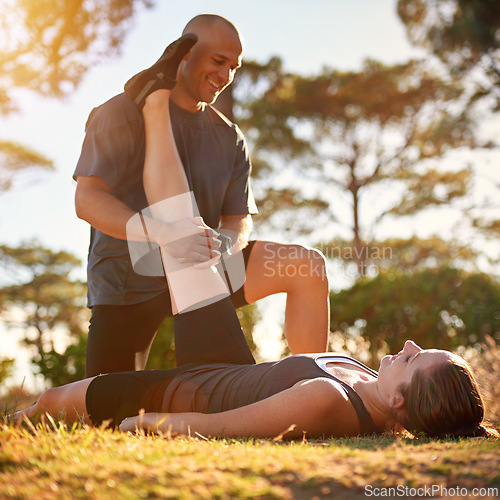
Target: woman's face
400, 368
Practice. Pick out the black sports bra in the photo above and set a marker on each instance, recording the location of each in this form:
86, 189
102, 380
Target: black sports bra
367, 426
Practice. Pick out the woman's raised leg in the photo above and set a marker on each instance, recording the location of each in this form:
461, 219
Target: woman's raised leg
170, 200
209, 331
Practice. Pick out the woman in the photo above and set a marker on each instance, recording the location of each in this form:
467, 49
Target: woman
324, 395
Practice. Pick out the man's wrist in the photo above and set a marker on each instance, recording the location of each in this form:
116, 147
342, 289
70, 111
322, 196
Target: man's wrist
226, 244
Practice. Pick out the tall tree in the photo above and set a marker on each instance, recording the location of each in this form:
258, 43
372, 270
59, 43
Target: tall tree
465, 37
404, 254
462, 33
39, 295
338, 136
46, 47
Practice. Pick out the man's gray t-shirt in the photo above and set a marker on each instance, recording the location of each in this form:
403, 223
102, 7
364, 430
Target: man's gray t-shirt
215, 158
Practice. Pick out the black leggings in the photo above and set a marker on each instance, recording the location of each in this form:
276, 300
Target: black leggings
111, 398
120, 337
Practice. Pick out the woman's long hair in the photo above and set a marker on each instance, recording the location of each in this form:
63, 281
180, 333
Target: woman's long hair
445, 402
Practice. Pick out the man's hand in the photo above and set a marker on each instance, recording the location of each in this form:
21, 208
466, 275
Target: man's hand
190, 240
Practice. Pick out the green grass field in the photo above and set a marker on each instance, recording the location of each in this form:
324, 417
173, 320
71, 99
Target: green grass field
58, 462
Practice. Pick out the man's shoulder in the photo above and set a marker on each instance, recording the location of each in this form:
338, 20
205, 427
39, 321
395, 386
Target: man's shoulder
218, 118
117, 111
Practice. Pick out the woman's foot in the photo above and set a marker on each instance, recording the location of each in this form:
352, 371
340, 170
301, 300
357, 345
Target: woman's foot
163, 73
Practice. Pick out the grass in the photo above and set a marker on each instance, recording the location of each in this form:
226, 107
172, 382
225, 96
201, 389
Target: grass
54, 461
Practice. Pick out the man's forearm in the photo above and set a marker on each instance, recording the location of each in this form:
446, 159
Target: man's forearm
109, 215
103, 211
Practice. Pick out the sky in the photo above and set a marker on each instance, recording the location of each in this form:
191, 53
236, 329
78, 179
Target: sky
306, 34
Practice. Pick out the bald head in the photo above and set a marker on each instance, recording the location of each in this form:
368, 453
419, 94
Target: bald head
210, 65
204, 25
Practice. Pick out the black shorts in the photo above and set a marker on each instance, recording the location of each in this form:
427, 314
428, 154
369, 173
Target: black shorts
112, 397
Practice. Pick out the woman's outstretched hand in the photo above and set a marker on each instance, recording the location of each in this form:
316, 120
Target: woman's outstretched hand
168, 424
149, 422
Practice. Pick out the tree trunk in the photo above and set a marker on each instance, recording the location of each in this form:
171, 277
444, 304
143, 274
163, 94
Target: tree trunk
359, 248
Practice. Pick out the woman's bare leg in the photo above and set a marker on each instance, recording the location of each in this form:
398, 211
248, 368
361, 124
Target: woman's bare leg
65, 403
164, 175
171, 200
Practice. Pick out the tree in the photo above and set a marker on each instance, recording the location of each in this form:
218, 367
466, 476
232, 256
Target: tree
49, 45
462, 33
465, 37
442, 308
60, 368
162, 354
39, 295
15, 157
344, 134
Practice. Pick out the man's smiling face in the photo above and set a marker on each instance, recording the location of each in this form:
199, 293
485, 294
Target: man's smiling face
209, 68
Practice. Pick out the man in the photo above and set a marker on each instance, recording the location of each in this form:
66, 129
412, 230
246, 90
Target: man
127, 306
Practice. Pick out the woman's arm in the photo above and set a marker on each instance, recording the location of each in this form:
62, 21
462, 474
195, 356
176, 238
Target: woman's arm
317, 407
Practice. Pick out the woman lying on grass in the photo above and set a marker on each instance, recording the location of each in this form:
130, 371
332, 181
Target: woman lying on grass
221, 392
324, 395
